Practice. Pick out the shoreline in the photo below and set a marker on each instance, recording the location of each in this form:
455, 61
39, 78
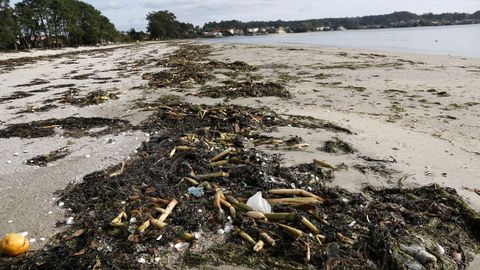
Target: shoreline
332, 38
401, 134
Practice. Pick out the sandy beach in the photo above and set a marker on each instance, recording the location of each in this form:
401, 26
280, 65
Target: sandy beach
412, 119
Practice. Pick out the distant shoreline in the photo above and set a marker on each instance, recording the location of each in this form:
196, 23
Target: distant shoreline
443, 40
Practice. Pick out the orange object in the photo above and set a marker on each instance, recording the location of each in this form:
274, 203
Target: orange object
14, 244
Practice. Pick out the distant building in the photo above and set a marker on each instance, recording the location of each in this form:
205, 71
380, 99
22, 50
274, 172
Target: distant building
214, 33
281, 30
234, 32
252, 31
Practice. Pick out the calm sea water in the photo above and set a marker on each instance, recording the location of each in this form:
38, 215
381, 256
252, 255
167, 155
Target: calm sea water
461, 40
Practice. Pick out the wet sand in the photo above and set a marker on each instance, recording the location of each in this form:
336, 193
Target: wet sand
414, 118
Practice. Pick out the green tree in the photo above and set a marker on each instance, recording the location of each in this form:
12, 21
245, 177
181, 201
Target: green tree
164, 25
55, 23
8, 27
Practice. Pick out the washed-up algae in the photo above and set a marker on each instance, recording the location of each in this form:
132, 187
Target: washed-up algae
245, 89
44, 160
93, 98
73, 97
189, 65
70, 127
206, 147
16, 95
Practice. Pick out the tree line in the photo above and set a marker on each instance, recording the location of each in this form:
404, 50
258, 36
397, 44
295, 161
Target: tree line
396, 19
51, 24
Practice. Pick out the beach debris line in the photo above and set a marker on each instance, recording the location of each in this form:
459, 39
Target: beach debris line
68, 127
232, 89
187, 66
145, 214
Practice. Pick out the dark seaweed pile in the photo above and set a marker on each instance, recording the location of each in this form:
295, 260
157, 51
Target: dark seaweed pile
246, 89
70, 127
354, 230
44, 160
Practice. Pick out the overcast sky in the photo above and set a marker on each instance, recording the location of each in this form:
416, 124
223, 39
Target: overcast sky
127, 13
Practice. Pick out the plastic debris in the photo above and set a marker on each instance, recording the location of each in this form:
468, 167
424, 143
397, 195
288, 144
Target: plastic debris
258, 203
195, 191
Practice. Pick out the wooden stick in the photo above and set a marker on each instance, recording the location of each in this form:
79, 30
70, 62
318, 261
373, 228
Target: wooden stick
144, 226
298, 201
121, 171
212, 175
117, 222
157, 223
345, 239
223, 154
324, 164
256, 215
298, 192
258, 246
218, 163
280, 216
310, 225
268, 238
232, 210
192, 181
240, 205
168, 210
245, 236
290, 230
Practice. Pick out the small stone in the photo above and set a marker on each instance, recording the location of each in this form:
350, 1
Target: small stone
439, 249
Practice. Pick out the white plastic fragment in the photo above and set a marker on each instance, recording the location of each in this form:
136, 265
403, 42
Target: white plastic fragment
180, 247
258, 203
195, 191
